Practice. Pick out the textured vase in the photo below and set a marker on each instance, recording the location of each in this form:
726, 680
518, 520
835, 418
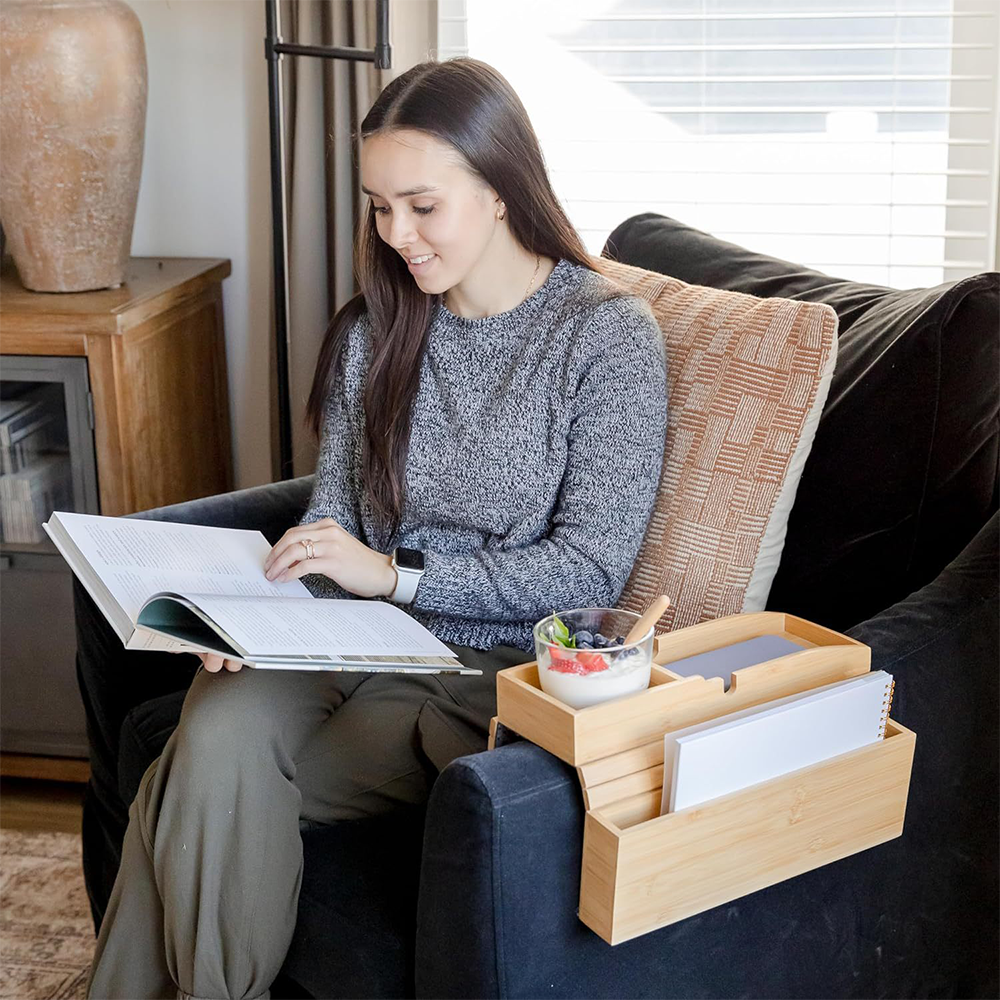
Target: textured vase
72, 123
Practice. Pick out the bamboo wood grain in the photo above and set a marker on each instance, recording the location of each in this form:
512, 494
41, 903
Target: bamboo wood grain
641, 870
581, 736
673, 866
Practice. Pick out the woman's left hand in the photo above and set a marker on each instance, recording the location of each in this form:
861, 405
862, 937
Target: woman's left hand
337, 554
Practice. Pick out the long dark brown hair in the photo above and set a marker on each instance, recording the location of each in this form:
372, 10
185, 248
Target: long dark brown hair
467, 104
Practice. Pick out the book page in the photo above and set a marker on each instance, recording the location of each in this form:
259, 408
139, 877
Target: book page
319, 626
144, 639
137, 558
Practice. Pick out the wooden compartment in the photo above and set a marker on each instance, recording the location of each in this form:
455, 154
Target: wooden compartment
641, 870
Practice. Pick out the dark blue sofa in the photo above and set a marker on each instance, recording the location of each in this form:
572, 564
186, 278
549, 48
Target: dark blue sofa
893, 539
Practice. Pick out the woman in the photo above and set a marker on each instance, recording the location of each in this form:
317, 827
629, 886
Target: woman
488, 399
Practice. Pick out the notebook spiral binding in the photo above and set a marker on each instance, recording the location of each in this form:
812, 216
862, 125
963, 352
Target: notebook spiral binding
886, 707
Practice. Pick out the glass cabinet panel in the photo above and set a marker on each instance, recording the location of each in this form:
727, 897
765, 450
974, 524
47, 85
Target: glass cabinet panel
37, 476
46, 447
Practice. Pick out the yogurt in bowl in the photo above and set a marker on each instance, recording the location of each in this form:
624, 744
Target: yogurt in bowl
597, 665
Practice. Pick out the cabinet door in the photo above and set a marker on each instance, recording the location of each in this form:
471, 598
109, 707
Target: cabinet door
47, 463
41, 711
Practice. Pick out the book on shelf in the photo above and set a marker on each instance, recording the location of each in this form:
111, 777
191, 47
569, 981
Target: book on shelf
165, 585
30, 424
28, 496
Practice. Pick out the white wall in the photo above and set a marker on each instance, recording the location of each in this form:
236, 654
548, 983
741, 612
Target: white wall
205, 188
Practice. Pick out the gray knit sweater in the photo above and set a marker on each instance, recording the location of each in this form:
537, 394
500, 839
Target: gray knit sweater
535, 454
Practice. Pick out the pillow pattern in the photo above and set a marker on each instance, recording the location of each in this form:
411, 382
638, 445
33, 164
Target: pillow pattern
747, 379
904, 469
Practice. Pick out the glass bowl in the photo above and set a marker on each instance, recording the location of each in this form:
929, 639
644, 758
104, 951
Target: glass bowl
582, 677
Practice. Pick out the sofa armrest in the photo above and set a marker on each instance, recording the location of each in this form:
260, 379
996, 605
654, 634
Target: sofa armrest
942, 646
503, 832
272, 508
503, 839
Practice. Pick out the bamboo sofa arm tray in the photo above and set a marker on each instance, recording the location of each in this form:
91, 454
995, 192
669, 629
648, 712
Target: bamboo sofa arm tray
641, 870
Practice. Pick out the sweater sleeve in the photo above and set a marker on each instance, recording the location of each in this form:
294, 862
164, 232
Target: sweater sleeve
615, 446
333, 494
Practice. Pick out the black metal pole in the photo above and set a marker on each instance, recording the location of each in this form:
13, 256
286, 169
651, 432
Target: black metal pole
274, 48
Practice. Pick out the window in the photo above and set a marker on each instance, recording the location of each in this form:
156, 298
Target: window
858, 137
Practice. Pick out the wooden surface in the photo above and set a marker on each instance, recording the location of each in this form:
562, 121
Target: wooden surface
641, 870
20, 765
40, 805
583, 736
156, 358
660, 869
152, 285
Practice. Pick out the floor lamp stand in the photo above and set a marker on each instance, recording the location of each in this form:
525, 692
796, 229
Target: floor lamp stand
274, 48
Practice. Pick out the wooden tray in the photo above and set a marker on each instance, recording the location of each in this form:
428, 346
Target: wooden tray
642, 871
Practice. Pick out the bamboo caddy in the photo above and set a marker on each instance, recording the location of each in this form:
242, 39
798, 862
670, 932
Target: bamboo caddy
642, 871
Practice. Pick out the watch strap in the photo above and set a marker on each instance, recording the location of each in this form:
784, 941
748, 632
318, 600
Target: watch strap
406, 582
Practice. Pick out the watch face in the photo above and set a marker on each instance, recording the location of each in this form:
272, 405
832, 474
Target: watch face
409, 558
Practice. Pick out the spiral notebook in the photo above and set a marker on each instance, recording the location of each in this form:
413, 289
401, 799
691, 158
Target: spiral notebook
726, 754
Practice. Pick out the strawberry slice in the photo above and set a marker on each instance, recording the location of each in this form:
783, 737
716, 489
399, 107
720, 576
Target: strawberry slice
592, 661
565, 660
576, 661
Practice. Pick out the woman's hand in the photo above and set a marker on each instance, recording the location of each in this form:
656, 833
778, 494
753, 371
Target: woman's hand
212, 662
337, 554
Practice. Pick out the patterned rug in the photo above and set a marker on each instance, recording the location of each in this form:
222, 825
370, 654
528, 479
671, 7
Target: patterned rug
46, 934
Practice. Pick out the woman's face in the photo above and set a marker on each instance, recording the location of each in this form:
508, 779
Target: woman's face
426, 202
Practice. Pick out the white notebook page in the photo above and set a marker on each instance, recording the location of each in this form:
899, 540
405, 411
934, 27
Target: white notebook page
772, 739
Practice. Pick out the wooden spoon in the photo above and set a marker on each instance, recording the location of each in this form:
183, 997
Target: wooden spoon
652, 615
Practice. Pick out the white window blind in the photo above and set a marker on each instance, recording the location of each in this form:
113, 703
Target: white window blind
859, 137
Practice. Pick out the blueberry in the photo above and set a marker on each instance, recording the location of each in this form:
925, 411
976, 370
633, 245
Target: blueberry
583, 643
600, 641
584, 636
620, 640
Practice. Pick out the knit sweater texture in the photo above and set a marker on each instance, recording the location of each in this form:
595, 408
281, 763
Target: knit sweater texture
536, 446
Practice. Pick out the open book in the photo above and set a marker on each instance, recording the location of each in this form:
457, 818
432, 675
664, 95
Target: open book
188, 587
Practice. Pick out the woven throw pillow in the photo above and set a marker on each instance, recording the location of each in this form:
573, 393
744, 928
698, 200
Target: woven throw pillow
903, 472
746, 380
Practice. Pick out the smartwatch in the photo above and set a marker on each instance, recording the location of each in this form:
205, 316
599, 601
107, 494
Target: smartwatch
409, 566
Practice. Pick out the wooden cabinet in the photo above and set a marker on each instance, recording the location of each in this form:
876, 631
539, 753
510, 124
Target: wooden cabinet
156, 355
135, 379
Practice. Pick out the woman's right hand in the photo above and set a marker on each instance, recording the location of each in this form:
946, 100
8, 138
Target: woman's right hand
213, 663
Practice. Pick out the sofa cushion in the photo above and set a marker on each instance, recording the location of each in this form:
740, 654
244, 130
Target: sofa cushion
746, 382
356, 927
904, 468
144, 733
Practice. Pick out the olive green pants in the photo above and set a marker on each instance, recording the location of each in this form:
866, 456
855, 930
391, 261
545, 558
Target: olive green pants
205, 901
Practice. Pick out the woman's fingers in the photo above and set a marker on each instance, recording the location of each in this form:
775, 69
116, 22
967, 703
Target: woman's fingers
214, 663
288, 549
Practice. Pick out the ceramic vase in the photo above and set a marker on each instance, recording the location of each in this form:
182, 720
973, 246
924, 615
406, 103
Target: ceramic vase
72, 123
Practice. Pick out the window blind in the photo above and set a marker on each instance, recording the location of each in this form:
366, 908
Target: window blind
859, 137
